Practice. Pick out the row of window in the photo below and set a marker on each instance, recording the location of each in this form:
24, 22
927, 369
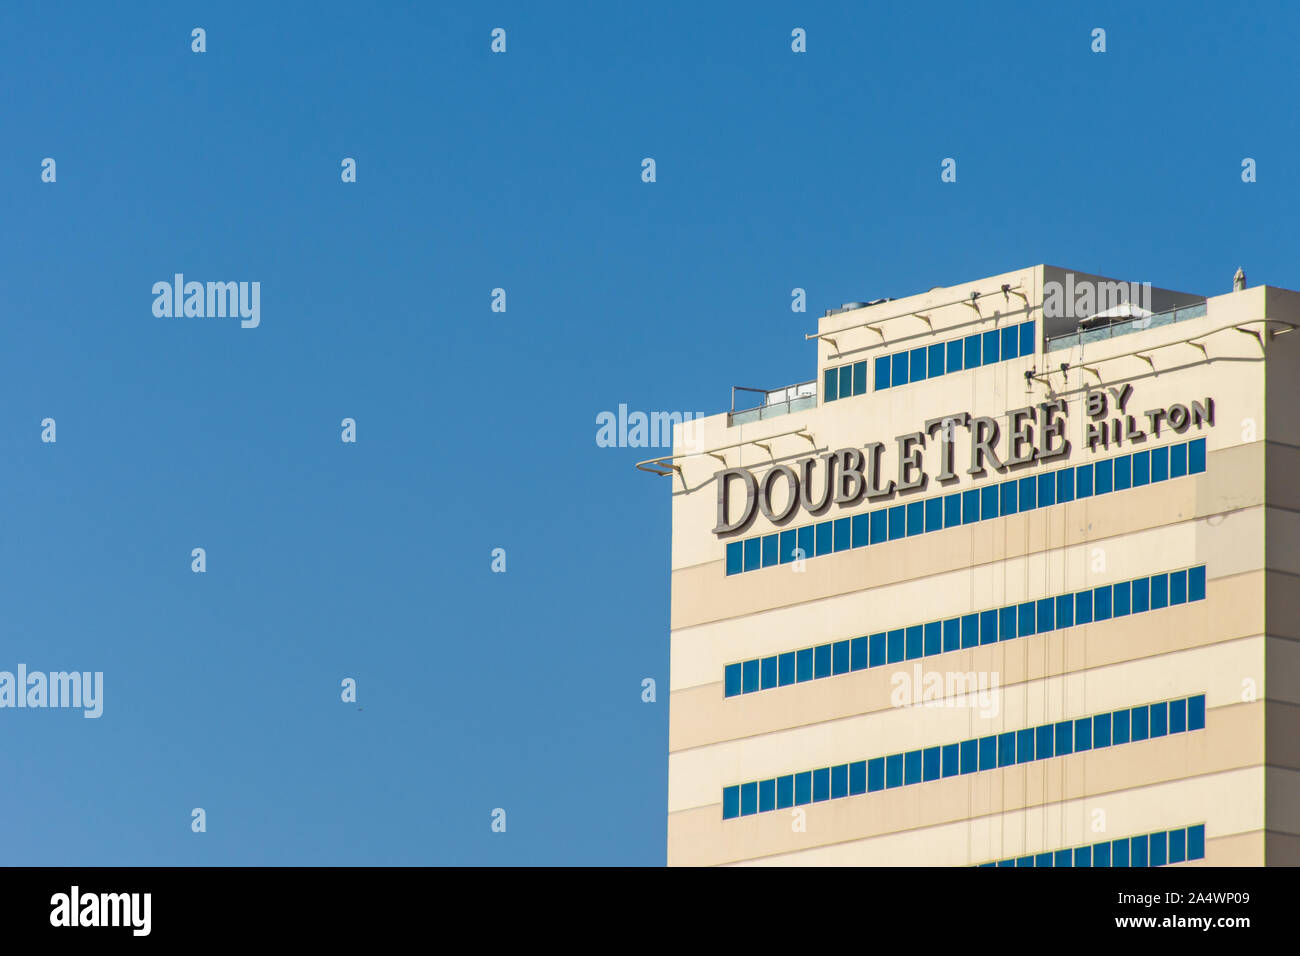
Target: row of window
967, 756
973, 351
844, 381
1150, 849
969, 630
992, 500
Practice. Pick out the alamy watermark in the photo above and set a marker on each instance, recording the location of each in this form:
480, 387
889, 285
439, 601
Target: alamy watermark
974, 689
1085, 298
55, 689
641, 430
212, 300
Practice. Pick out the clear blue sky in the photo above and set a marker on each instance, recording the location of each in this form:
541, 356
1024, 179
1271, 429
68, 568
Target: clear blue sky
325, 560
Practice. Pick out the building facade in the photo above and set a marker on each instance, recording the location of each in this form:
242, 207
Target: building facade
1016, 581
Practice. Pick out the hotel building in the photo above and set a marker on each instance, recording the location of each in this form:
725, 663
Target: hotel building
1015, 580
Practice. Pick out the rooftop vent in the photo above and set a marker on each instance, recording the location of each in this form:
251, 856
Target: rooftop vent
850, 306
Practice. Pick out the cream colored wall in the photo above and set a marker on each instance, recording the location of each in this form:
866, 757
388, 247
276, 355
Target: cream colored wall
1217, 518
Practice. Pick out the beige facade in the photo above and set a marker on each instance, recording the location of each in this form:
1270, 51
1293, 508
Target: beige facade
741, 732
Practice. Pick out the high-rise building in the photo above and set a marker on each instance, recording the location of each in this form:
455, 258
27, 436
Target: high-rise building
1015, 580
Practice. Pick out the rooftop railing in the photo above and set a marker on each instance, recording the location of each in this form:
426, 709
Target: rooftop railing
776, 402
1125, 326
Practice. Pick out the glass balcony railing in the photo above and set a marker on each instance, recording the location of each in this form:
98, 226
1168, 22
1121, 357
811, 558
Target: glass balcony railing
776, 402
1125, 327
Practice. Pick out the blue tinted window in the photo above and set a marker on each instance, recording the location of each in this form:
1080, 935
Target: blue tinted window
932, 764
1046, 615
1177, 845
1157, 851
750, 679
1064, 858
1083, 481
913, 639
1123, 473
898, 371
857, 778
992, 340
1178, 588
748, 799
830, 385
1196, 456
753, 554
912, 767
1120, 597
803, 788
859, 377
952, 634
1138, 724
897, 522
1024, 745
1178, 461
878, 649
1043, 859
1159, 464
879, 525
1065, 485
787, 546
1008, 496
915, 517
822, 661
988, 627
1159, 591
1006, 749
894, 770
1028, 487
1178, 716
936, 360
970, 630
1101, 854
806, 543
730, 802
735, 557
846, 381
1010, 342
882, 372
1027, 616
821, 784
861, 530
1159, 719
896, 646
768, 673
876, 774
1196, 842
1101, 603
1196, 584
1083, 607
918, 363
1083, 856
1027, 343
1082, 735
771, 550
825, 540
731, 680
785, 669
988, 752
972, 351
1064, 738
858, 659
988, 502
1007, 623
1138, 851
1046, 490
952, 510
843, 530
1141, 468
969, 756
933, 638
954, 362
785, 791
1196, 712
1102, 477
1141, 595
1065, 610
951, 760
970, 506
804, 664
1119, 727
1101, 730
766, 795
1046, 736
933, 514
1119, 853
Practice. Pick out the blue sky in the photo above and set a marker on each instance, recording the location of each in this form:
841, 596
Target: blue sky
371, 560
